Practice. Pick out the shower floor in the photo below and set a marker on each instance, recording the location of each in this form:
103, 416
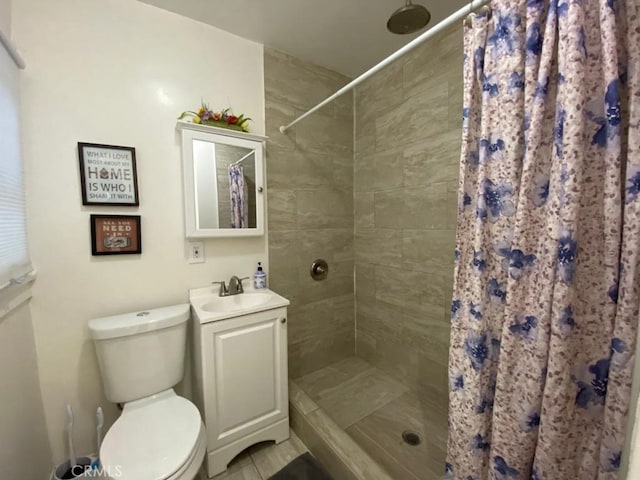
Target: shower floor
375, 409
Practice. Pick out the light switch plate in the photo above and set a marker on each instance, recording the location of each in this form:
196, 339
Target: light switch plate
196, 252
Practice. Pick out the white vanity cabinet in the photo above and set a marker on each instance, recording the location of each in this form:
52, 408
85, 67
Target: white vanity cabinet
240, 367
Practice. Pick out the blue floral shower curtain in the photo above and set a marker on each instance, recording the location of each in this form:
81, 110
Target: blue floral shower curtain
239, 197
547, 280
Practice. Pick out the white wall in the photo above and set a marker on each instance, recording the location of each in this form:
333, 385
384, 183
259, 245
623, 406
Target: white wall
5, 17
25, 449
116, 72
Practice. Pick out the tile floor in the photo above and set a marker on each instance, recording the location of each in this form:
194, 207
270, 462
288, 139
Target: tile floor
374, 409
263, 460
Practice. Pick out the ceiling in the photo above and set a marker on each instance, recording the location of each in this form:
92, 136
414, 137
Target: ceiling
348, 36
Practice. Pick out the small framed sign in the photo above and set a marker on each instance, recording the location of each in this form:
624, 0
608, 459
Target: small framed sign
115, 234
108, 174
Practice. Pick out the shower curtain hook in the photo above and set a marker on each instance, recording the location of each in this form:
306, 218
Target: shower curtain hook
467, 20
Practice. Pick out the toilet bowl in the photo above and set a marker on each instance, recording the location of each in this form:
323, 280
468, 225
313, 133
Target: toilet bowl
159, 435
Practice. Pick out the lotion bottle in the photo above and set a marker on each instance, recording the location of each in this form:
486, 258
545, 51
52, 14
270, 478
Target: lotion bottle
260, 278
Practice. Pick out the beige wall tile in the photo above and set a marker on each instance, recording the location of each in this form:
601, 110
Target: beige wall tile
389, 207
278, 162
379, 246
383, 88
392, 175
382, 320
364, 131
325, 351
295, 366
422, 114
324, 207
366, 346
381, 170
298, 83
435, 160
363, 210
427, 333
322, 133
282, 210
283, 247
410, 290
426, 207
297, 170
338, 283
276, 115
321, 318
329, 379
331, 244
343, 171
455, 104
428, 250
365, 281
311, 215
284, 280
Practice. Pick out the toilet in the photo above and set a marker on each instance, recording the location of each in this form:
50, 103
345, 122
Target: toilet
159, 435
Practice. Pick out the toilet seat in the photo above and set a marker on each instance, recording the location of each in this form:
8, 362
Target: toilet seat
154, 438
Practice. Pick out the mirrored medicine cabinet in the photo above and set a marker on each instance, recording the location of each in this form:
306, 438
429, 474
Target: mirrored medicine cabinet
223, 173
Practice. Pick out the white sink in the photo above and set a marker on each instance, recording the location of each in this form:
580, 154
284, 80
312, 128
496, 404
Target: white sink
208, 306
236, 302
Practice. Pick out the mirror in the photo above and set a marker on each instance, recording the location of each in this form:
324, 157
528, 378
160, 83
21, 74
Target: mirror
223, 178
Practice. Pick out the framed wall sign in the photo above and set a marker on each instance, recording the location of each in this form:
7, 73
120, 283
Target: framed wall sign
115, 234
108, 174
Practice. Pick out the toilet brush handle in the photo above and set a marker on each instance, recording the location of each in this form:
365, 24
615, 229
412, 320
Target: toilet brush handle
100, 423
72, 454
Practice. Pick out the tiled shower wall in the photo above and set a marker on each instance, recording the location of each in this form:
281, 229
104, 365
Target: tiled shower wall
310, 208
408, 133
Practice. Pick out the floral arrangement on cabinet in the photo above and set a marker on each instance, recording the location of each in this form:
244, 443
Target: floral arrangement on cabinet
222, 119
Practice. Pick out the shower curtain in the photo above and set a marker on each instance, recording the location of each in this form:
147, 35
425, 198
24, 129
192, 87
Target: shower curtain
239, 197
547, 279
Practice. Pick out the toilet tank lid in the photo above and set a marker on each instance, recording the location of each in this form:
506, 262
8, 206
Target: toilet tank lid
138, 322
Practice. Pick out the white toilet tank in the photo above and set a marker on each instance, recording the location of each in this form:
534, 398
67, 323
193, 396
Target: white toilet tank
141, 353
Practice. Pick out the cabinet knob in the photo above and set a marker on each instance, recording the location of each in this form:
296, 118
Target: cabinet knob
283, 320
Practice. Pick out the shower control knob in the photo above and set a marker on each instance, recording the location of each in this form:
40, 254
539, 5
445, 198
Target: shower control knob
319, 269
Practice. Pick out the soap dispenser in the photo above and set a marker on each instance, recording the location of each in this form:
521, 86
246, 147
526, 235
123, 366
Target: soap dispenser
260, 278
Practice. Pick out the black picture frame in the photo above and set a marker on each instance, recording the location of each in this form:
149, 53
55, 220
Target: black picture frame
108, 175
116, 235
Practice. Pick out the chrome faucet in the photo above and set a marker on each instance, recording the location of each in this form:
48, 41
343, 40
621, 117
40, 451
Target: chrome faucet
235, 286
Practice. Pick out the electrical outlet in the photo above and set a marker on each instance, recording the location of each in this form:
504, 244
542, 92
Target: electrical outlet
196, 252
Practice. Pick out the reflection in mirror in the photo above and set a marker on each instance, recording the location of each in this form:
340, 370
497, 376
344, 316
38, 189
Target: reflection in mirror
225, 185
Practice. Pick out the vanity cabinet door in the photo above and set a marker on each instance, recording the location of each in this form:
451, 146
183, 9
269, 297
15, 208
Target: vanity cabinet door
246, 382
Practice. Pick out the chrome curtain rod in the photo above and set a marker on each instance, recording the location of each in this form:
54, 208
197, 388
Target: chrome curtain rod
450, 20
243, 158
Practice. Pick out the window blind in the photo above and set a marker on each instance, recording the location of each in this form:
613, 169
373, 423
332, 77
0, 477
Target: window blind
14, 254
